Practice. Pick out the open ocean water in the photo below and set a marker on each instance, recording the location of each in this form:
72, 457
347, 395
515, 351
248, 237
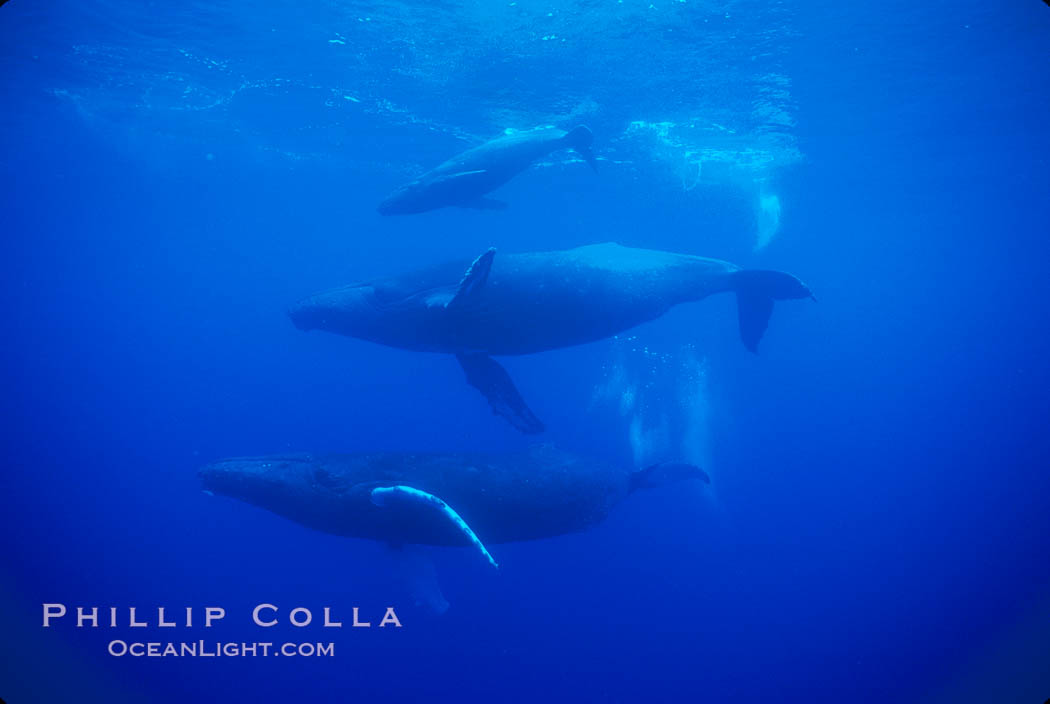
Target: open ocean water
177, 175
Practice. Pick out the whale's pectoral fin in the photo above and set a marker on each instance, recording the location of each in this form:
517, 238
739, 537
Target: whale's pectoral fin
415, 499
460, 175
474, 278
755, 293
411, 568
580, 139
753, 313
492, 380
665, 473
587, 155
484, 204
416, 569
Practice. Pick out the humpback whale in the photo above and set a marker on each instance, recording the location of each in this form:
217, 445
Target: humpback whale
438, 498
524, 303
464, 179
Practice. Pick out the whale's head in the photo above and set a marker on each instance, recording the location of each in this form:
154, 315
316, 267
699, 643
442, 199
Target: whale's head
406, 200
257, 480
350, 310
300, 487
383, 312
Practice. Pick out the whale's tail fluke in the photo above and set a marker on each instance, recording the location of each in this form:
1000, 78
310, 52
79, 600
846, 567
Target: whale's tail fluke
580, 139
756, 291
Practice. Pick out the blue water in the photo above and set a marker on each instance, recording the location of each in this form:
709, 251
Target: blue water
176, 175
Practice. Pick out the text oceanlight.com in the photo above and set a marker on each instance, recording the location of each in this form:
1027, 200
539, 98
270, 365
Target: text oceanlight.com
203, 649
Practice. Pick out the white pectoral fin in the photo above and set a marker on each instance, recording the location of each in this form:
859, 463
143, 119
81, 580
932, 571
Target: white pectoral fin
406, 495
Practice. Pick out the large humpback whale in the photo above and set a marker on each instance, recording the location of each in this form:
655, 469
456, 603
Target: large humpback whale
464, 179
524, 303
438, 499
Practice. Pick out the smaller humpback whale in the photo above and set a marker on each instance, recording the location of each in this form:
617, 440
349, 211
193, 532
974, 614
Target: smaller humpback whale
439, 498
524, 303
464, 179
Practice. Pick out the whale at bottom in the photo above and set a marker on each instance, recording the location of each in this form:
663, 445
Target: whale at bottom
449, 499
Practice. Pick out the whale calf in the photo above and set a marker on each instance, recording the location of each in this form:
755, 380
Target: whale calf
464, 179
439, 498
524, 303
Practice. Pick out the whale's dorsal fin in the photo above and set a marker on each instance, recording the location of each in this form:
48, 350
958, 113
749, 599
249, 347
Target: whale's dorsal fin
475, 277
487, 376
416, 499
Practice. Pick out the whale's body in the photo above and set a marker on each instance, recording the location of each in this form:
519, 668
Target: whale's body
530, 303
540, 493
464, 179
524, 303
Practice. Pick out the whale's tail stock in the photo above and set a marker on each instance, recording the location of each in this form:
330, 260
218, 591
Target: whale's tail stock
756, 290
580, 139
665, 473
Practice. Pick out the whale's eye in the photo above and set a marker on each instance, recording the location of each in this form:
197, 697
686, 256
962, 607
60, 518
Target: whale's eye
322, 477
385, 295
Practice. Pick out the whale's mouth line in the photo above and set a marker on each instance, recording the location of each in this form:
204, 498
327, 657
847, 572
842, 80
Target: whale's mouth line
299, 321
